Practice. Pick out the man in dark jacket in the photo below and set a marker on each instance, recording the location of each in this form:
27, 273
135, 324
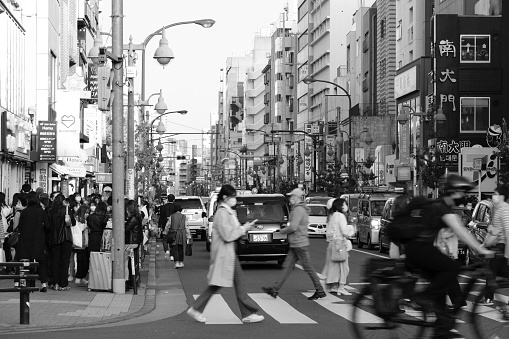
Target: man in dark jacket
299, 243
166, 211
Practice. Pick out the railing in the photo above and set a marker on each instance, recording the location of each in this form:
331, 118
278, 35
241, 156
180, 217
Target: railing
26, 285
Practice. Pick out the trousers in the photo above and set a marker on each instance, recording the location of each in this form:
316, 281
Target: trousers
300, 254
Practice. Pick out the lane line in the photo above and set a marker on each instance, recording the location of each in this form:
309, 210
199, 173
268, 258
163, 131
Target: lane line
217, 311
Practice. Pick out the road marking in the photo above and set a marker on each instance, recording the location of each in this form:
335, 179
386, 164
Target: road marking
217, 311
486, 312
280, 310
372, 254
345, 311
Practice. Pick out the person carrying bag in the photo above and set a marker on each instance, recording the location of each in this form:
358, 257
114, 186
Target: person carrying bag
179, 235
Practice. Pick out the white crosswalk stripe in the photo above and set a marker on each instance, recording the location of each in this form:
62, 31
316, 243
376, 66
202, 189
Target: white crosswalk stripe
218, 311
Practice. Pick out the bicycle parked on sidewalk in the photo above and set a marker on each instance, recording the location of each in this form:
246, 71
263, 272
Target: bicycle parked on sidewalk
385, 307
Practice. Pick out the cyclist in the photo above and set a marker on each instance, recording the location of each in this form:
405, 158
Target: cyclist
441, 269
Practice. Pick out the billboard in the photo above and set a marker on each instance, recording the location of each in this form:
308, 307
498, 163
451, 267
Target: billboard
468, 159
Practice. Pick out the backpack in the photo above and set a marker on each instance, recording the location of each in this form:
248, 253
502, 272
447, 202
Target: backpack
412, 223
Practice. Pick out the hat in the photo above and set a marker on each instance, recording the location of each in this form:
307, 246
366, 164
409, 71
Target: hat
107, 189
297, 192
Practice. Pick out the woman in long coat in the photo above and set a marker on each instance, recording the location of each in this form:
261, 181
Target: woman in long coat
336, 272
224, 269
178, 222
33, 226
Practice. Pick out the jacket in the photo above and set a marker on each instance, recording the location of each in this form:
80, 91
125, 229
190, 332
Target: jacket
96, 222
165, 211
298, 229
56, 219
133, 230
33, 226
225, 231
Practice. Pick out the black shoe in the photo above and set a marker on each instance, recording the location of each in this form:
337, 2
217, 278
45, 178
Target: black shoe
447, 335
317, 295
270, 291
43, 289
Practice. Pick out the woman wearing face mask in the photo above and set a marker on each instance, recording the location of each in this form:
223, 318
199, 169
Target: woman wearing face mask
224, 269
96, 223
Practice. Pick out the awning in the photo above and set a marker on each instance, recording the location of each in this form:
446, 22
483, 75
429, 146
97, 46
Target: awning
75, 172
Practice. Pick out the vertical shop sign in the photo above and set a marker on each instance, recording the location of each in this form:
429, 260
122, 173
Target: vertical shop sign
47, 141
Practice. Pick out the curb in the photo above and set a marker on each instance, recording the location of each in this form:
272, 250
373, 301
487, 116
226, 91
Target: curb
148, 306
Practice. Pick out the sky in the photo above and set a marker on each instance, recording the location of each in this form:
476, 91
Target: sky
191, 80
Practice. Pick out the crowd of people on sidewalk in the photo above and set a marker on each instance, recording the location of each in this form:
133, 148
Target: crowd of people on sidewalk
60, 232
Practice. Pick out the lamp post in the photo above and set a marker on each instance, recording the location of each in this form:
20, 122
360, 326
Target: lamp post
402, 118
368, 140
308, 80
160, 127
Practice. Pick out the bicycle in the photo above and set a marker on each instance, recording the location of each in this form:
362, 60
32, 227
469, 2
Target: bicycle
384, 308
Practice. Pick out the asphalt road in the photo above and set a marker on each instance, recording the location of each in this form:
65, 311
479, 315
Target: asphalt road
292, 316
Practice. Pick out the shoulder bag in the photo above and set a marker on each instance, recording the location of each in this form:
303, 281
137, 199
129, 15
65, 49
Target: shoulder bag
339, 250
13, 238
65, 233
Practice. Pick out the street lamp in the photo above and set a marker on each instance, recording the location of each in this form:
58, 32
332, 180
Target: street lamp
368, 140
160, 127
403, 117
309, 80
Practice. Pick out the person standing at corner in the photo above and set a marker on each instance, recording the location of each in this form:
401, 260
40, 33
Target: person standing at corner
224, 269
165, 212
336, 272
299, 243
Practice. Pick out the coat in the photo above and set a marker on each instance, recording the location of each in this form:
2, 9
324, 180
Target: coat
133, 230
226, 229
33, 226
165, 211
57, 219
178, 222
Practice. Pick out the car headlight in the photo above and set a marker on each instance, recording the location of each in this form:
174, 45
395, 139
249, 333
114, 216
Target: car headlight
375, 224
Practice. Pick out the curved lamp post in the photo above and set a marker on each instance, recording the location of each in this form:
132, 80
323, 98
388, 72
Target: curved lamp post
309, 80
160, 127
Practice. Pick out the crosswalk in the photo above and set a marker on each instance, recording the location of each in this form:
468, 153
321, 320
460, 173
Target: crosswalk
219, 312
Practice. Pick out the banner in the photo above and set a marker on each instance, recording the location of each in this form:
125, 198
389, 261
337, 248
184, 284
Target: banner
68, 123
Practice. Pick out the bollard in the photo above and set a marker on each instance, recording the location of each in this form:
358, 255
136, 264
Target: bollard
24, 296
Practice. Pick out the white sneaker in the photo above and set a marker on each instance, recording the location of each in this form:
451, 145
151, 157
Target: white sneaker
181, 264
84, 281
196, 315
171, 258
70, 278
77, 281
253, 318
176, 265
342, 291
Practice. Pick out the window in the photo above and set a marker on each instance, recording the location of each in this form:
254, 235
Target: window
475, 48
399, 30
410, 56
303, 40
303, 10
411, 15
382, 28
475, 115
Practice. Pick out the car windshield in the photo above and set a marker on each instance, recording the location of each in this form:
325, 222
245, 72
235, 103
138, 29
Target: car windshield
377, 207
261, 209
318, 211
189, 204
318, 200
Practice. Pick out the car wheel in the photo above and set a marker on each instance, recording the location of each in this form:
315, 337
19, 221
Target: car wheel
207, 246
359, 242
370, 245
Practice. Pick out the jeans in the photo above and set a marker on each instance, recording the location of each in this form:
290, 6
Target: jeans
60, 256
245, 304
298, 254
82, 259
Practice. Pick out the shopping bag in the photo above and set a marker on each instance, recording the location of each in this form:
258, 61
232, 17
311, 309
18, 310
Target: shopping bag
106, 240
77, 235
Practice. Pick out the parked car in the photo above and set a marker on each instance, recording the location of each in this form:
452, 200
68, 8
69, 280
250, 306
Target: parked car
264, 242
481, 219
194, 209
351, 217
317, 200
317, 220
369, 213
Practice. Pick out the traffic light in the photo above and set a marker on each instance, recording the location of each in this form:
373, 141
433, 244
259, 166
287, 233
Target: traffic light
104, 88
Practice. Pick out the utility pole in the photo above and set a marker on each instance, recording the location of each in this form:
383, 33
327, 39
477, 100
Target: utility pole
130, 125
118, 250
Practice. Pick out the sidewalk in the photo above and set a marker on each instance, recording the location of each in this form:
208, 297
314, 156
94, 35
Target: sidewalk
79, 307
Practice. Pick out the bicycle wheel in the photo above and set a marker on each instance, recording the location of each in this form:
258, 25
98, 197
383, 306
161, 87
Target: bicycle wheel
488, 320
366, 323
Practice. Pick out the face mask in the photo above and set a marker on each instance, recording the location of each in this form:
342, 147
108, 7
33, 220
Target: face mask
78, 199
92, 208
231, 201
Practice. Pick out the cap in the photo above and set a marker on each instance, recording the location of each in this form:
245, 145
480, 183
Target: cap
296, 192
107, 189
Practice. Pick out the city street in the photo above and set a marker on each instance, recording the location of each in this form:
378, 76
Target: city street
290, 315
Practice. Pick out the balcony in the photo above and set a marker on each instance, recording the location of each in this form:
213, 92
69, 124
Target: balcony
254, 92
365, 45
365, 84
252, 75
253, 110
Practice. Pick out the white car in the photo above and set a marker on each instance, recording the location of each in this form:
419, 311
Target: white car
317, 219
194, 210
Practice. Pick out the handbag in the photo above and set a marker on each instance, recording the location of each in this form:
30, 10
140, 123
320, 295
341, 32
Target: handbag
492, 234
65, 234
189, 250
13, 238
339, 251
77, 235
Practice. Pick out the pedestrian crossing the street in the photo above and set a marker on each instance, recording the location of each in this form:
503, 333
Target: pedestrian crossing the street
219, 311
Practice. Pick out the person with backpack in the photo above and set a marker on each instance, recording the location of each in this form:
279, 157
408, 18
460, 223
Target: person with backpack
441, 269
178, 229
